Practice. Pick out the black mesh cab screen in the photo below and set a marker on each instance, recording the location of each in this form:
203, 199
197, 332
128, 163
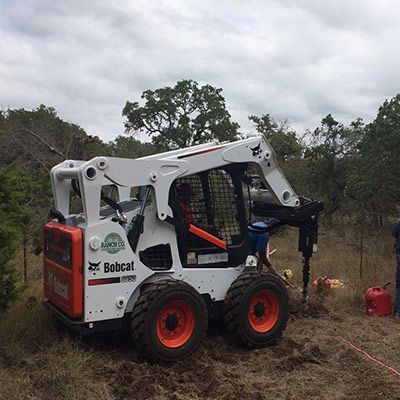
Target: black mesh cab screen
212, 201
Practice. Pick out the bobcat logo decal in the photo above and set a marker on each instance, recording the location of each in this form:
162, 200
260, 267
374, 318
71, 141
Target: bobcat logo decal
94, 266
256, 150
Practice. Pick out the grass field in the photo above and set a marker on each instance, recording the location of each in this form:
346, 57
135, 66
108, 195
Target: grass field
41, 360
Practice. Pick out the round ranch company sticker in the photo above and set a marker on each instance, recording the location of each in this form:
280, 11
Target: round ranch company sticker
113, 243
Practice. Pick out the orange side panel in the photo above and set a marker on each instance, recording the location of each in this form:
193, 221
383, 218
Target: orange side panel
62, 268
207, 236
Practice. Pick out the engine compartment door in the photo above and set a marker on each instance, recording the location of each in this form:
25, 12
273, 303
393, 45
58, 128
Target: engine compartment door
62, 268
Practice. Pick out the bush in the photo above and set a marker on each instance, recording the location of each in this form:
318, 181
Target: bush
15, 188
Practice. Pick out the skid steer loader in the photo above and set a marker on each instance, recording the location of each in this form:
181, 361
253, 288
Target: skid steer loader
160, 244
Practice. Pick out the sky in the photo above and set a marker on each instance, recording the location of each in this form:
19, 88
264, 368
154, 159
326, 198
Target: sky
293, 59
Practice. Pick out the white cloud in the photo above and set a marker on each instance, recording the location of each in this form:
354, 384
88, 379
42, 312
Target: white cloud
293, 59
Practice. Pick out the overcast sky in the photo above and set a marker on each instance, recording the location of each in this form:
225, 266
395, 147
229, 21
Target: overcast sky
298, 60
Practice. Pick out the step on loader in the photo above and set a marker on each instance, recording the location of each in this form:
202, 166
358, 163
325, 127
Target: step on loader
159, 244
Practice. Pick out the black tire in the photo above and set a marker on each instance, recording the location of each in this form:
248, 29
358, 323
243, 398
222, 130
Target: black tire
242, 309
150, 331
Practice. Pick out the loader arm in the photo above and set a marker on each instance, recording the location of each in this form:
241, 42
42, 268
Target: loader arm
159, 171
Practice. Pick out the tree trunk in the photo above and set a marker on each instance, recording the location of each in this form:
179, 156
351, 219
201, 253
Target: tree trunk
25, 244
361, 252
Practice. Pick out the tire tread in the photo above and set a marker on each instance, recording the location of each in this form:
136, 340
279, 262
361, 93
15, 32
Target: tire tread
232, 309
142, 309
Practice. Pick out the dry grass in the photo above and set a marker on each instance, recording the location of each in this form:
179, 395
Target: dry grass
39, 360
338, 256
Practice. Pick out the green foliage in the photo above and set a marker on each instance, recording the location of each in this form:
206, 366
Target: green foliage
8, 276
330, 162
129, 147
378, 186
38, 206
39, 139
181, 116
14, 193
283, 139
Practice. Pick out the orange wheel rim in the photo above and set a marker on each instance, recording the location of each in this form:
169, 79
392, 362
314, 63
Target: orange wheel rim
175, 324
263, 311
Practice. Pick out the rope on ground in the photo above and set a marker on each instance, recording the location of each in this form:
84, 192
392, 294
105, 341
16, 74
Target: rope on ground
354, 347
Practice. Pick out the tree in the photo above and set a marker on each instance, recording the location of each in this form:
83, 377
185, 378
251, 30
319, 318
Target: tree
331, 160
39, 139
14, 189
282, 138
129, 147
181, 116
378, 184
33, 142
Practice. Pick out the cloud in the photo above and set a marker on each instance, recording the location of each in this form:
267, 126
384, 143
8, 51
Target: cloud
298, 60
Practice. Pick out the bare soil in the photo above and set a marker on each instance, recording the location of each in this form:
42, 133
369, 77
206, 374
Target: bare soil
309, 362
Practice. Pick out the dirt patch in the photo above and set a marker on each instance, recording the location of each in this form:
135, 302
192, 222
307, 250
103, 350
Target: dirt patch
309, 362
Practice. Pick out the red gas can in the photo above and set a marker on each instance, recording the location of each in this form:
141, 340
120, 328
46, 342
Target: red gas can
378, 302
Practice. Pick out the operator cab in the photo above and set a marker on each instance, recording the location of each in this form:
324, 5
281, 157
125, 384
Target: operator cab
210, 218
